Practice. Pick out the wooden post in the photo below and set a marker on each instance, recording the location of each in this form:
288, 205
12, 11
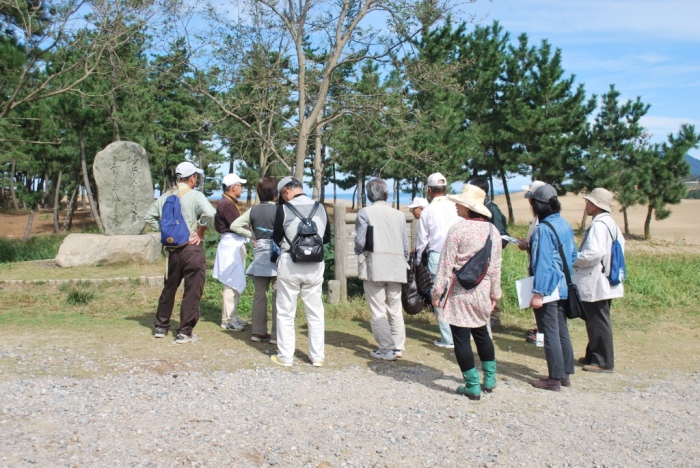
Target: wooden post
340, 244
334, 291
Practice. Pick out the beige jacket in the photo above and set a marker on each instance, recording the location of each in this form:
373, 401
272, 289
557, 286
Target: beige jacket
593, 264
388, 260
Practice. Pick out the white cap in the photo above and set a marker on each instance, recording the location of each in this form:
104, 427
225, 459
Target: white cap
532, 187
232, 179
186, 169
418, 202
436, 180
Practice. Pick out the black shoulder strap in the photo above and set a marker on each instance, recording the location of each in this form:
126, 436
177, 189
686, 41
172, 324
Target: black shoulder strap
561, 253
298, 215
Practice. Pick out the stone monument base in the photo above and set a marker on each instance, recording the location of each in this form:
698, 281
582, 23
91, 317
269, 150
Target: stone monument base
96, 249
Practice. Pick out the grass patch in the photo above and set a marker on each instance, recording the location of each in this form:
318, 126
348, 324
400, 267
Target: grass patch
80, 297
36, 248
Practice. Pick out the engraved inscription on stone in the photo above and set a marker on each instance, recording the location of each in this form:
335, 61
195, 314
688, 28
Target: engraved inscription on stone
124, 187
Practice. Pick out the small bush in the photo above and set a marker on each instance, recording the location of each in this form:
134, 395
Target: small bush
80, 297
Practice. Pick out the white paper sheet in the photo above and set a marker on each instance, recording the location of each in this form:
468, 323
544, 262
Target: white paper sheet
524, 289
512, 240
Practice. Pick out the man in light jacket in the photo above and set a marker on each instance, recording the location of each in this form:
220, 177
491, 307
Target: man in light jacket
434, 223
591, 271
381, 244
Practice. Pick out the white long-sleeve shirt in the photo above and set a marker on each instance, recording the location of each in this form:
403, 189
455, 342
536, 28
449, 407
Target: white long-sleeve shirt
435, 220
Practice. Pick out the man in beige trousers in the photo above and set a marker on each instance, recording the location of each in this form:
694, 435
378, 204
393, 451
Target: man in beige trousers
381, 244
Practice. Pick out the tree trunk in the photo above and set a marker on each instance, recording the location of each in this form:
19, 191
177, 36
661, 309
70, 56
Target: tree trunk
249, 198
86, 182
582, 228
302, 145
70, 208
626, 221
57, 202
318, 161
509, 202
354, 192
397, 195
13, 193
335, 186
25, 238
647, 223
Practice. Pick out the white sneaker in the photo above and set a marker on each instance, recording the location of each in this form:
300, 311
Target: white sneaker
383, 355
182, 339
276, 359
440, 344
317, 363
398, 353
233, 327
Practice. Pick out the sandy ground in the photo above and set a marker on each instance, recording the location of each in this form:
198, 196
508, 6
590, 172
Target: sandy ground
683, 226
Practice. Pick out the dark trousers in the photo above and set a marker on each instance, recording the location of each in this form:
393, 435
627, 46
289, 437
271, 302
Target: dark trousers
463, 348
599, 351
557, 343
187, 263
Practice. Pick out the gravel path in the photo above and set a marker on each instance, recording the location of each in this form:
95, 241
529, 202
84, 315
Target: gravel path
382, 415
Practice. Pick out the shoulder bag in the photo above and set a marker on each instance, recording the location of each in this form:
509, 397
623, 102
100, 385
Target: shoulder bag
573, 307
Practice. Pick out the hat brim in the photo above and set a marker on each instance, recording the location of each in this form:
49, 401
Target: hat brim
476, 207
598, 203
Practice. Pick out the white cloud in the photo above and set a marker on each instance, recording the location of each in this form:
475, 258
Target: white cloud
660, 127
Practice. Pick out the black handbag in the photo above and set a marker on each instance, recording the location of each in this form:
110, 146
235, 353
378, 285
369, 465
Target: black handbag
472, 272
424, 281
411, 300
573, 307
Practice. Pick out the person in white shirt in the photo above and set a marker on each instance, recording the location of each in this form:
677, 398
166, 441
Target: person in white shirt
591, 271
435, 220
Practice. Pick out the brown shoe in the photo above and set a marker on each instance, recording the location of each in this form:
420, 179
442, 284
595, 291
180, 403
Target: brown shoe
592, 368
582, 361
566, 381
547, 384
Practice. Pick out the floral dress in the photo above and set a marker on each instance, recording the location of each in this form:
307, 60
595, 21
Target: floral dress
468, 308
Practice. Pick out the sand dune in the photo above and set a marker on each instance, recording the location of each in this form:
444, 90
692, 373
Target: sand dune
683, 226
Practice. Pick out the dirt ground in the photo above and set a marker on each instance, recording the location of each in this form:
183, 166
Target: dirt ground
14, 224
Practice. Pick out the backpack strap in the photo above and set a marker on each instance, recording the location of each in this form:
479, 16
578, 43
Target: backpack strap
609, 230
298, 215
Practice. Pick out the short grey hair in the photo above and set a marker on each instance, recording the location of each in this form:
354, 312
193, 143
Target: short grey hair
377, 189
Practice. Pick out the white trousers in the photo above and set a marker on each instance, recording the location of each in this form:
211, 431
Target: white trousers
384, 300
294, 279
229, 305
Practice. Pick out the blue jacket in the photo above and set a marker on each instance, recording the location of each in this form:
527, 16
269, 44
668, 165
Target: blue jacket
547, 266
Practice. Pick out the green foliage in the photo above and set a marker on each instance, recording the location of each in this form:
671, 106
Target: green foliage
80, 296
36, 248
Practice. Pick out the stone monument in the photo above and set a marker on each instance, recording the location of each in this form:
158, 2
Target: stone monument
124, 187
125, 193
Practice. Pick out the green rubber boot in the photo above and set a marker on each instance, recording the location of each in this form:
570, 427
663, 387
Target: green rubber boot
489, 368
472, 389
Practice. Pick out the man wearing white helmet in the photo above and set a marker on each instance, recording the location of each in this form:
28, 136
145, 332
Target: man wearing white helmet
187, 261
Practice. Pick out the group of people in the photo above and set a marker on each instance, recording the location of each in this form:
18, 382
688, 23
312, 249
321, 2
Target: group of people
451, 230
